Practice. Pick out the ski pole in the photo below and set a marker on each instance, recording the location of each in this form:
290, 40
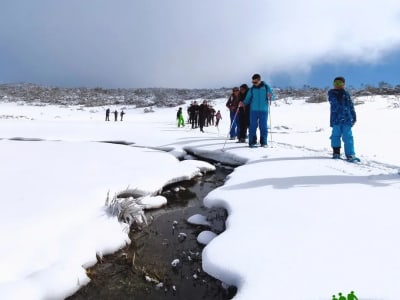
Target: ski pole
230, 128
270, 122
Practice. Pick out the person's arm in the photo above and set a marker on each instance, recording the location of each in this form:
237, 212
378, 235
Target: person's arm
352, 110
270, 94
229, 102
247, 100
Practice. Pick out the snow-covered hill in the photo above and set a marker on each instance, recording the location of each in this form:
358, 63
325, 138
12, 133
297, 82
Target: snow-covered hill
300, 225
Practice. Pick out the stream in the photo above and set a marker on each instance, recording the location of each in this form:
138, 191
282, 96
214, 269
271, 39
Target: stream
143, 270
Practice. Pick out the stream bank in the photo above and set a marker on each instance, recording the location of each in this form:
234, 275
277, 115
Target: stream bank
143, 270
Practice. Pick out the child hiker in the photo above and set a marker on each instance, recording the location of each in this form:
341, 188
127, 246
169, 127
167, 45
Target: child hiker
218, 117
342, 119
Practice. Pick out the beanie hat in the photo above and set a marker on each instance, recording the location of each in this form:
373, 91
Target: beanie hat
340, 78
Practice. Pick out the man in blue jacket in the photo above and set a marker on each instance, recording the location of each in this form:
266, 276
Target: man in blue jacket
342, 119
259, 98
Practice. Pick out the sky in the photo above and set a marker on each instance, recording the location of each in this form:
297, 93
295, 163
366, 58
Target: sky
302, 219
198, 44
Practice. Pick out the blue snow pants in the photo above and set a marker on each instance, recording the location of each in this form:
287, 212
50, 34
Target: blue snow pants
343, 132
234, 131
258, 119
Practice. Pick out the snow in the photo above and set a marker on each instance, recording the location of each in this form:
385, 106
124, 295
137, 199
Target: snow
153, 202
205, 237
175, 262
198, 219
300, 225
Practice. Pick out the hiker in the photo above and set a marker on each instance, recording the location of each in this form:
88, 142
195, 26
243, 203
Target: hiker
188, 110
351, 296
194, 114
179, 117
203, 108
341, 297
259, 98
217, 118
107, 114
122, 113
232, 104
115, 115
342, 119
211, 120
243, 114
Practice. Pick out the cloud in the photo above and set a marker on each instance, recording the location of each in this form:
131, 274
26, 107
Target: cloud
179, 43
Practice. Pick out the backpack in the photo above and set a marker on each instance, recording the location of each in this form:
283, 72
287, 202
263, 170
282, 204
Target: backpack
266, 86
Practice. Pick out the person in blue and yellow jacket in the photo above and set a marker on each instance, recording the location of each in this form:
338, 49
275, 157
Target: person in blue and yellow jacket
342, 119
259, 98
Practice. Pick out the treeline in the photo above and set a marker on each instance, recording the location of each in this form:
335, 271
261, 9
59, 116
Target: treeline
141, 97
159, 97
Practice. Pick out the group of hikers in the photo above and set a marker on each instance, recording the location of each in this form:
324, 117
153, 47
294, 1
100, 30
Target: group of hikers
121, 114
249, 110
350, 296
200, 116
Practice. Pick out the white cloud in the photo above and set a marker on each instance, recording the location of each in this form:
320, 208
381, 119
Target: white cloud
204, 44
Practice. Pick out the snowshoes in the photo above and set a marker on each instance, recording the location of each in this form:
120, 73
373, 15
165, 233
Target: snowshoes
352, 158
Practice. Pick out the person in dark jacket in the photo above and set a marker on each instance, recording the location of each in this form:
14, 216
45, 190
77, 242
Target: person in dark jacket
194, 114
244, 114
203, 108
342, 119
107, 114
115, 115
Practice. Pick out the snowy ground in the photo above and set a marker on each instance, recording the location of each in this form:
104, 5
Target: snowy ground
300, 225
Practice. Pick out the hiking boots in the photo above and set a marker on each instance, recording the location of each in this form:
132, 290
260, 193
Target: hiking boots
336, 153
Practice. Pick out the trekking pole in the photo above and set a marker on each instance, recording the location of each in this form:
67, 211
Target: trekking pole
270, 123
230, 128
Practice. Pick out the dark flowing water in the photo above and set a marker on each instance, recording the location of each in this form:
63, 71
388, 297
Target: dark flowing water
123, 274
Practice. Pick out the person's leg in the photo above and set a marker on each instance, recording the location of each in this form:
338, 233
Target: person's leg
336, 136
232, 132
348, 141
263, 116
193, 120
242, 127
336, 140
237, 134
253, 128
